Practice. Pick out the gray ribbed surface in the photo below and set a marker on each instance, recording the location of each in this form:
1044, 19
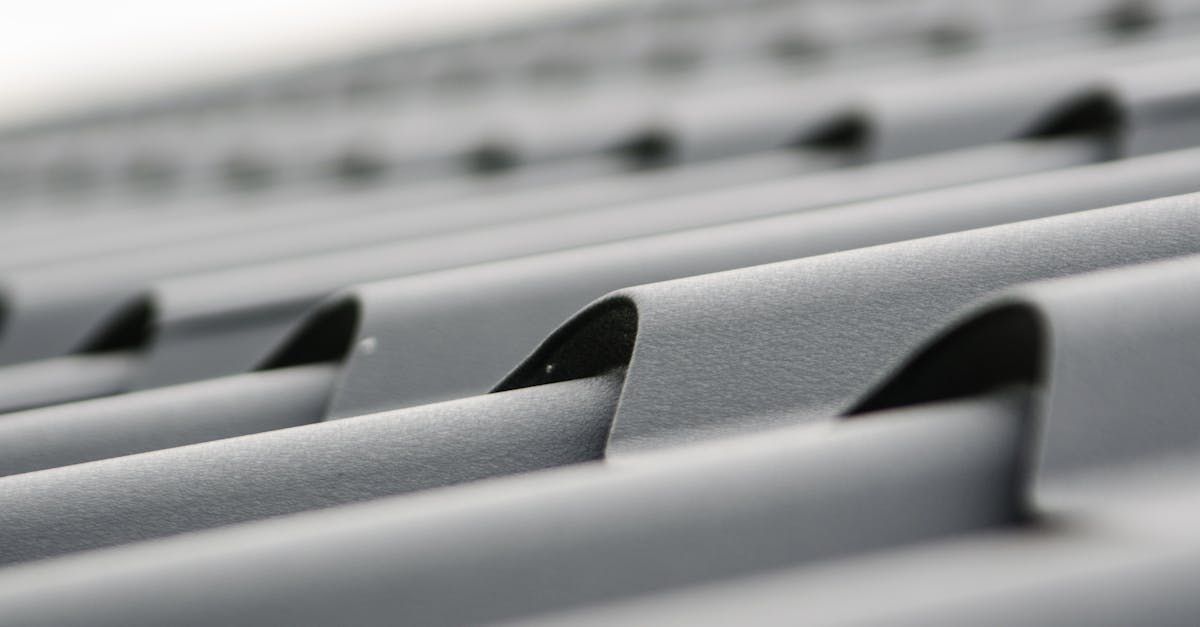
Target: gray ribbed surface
799, 312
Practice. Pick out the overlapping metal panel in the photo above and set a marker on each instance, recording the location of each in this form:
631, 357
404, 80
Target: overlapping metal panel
673, 313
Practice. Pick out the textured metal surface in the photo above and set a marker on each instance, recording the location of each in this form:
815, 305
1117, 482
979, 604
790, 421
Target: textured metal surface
658, 313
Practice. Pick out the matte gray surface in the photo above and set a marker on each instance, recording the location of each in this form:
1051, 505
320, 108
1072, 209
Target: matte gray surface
222, 322
436, 332
456, 333
124, 499
962, 391
124, 228
65, 379
761, 345
1111, 484
497, 550
42, 325
688, 399
71, 433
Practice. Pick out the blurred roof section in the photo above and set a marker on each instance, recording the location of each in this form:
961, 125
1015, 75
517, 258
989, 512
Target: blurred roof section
141, 104
71, 56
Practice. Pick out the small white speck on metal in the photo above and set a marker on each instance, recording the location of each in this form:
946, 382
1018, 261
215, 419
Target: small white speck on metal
368, 345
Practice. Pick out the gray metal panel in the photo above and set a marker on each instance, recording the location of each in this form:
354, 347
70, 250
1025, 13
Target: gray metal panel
505, 548
1111, 483
279, 587
453, 334
1030, 459
1068, 572
710, 356
755, 347
120, 227
65, 379
900, 120
110, 278
45, 333
71, 433
873, 483
120, 500
223, 322
449, 334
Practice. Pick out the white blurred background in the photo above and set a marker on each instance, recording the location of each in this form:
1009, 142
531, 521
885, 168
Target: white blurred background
56, 55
